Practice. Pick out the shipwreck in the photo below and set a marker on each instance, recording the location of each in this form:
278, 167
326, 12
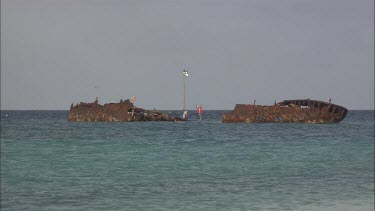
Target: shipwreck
288, 111
124, 111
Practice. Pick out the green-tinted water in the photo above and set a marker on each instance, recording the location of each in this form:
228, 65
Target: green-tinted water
48, 163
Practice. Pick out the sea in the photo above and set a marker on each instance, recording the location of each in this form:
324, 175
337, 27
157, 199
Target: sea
48, 163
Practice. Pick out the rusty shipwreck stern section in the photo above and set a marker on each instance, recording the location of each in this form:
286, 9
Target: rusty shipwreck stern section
288, 111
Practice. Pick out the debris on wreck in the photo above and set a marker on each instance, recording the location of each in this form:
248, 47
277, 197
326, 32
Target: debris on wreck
124, 111
288, 111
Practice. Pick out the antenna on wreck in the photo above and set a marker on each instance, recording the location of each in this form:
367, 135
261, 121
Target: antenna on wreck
185, 75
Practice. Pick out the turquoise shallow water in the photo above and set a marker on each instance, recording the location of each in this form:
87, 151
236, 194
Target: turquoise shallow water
48, 163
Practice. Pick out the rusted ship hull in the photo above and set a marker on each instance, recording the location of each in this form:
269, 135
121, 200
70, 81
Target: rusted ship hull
124, 111
288, 111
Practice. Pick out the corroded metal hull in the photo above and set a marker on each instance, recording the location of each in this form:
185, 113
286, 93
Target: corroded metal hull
288, 111
124, 111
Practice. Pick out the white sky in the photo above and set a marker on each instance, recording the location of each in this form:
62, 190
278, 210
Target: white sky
55, 52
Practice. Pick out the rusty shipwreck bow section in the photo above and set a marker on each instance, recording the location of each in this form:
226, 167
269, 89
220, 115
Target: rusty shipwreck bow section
124, 111
288, 111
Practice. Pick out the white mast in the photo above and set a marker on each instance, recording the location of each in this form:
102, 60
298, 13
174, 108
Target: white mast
184, 115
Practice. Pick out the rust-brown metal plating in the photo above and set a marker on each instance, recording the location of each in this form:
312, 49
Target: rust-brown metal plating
124, 111
288, 111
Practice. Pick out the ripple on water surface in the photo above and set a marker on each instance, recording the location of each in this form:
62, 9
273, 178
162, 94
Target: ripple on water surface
48, 163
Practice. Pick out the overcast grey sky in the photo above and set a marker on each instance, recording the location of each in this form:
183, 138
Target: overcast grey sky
55, 52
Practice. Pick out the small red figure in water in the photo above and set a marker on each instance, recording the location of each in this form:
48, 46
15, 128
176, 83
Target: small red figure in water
199, 111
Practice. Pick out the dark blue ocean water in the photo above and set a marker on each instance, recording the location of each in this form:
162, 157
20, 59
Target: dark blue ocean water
48, 163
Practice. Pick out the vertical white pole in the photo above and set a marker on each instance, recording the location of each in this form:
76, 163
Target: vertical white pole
183, 109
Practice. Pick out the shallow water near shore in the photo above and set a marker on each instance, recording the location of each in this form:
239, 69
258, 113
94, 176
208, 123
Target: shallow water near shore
48, 163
